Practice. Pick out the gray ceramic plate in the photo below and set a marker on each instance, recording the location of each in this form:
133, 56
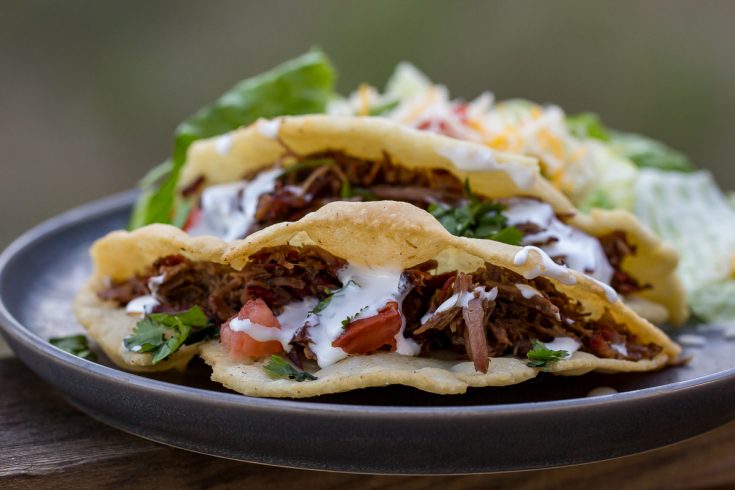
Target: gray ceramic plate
544, 423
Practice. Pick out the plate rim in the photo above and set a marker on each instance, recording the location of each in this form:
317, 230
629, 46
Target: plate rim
12, 327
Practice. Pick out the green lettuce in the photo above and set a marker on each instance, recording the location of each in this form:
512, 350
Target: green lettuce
644, 152
303, 85
649, 153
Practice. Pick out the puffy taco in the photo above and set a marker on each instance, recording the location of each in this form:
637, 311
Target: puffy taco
357, 295
279, 170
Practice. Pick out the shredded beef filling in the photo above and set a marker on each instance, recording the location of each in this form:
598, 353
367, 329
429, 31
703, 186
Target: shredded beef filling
506, 325
616, 248
334, 176
321, 178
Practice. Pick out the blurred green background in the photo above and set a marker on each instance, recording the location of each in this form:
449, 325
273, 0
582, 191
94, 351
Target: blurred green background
90, 92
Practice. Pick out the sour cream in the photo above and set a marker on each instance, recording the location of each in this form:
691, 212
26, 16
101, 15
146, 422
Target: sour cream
547, 267
474, 158
365, 292
141, 305
564, 343
527, 291
269, 129
293, 317
581, 252
462, 300
228, 210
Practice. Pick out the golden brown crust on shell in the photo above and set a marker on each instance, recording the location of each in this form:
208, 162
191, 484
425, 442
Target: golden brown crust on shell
376, 234
251, 148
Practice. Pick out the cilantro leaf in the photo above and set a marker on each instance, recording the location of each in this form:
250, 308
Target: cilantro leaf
476, 219
303, 85
330, 294
350, 318
74, 344
162, 334
278, 367
540, 355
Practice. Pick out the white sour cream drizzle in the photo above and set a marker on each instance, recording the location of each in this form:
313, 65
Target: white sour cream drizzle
581, 251
269, 129
365, 292
228, 210
462, 300
154, 282
527, 291
612, 295
479, 158
547, 267
223, 144
564, 343
292, 318
620, 348
141, 305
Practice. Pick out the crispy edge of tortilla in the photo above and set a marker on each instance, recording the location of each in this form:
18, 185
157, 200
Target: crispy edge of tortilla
355, 372
119, 256
382, 369
399, 235
377, 234
108, 325
254, 147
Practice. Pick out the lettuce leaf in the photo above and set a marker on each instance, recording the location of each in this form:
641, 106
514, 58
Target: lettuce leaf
649, 153
644, 152
303, 85
587, 125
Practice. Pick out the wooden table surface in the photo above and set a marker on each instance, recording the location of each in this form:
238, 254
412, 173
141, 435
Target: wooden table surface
46, 443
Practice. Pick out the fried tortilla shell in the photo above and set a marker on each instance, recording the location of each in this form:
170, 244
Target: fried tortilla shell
397, 235
117, 257
491, 174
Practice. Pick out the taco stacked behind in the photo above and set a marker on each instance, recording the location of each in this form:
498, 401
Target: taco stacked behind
279, 170
365, 294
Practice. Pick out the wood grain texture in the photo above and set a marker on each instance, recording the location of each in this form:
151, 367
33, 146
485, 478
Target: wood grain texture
46, 443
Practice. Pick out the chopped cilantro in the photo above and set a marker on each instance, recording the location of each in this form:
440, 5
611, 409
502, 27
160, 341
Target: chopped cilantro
345, 191
74, 344
330, 294
278, 367
162, 334
540, 355
349, 318
477, 219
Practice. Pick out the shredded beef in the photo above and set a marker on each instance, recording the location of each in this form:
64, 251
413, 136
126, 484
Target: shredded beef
475, 329
304, 189
125, 292
277, 275
616, 248
511, 322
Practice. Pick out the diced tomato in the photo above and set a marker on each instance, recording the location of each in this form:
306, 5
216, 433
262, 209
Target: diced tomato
370, 334
241, 345
193, 218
